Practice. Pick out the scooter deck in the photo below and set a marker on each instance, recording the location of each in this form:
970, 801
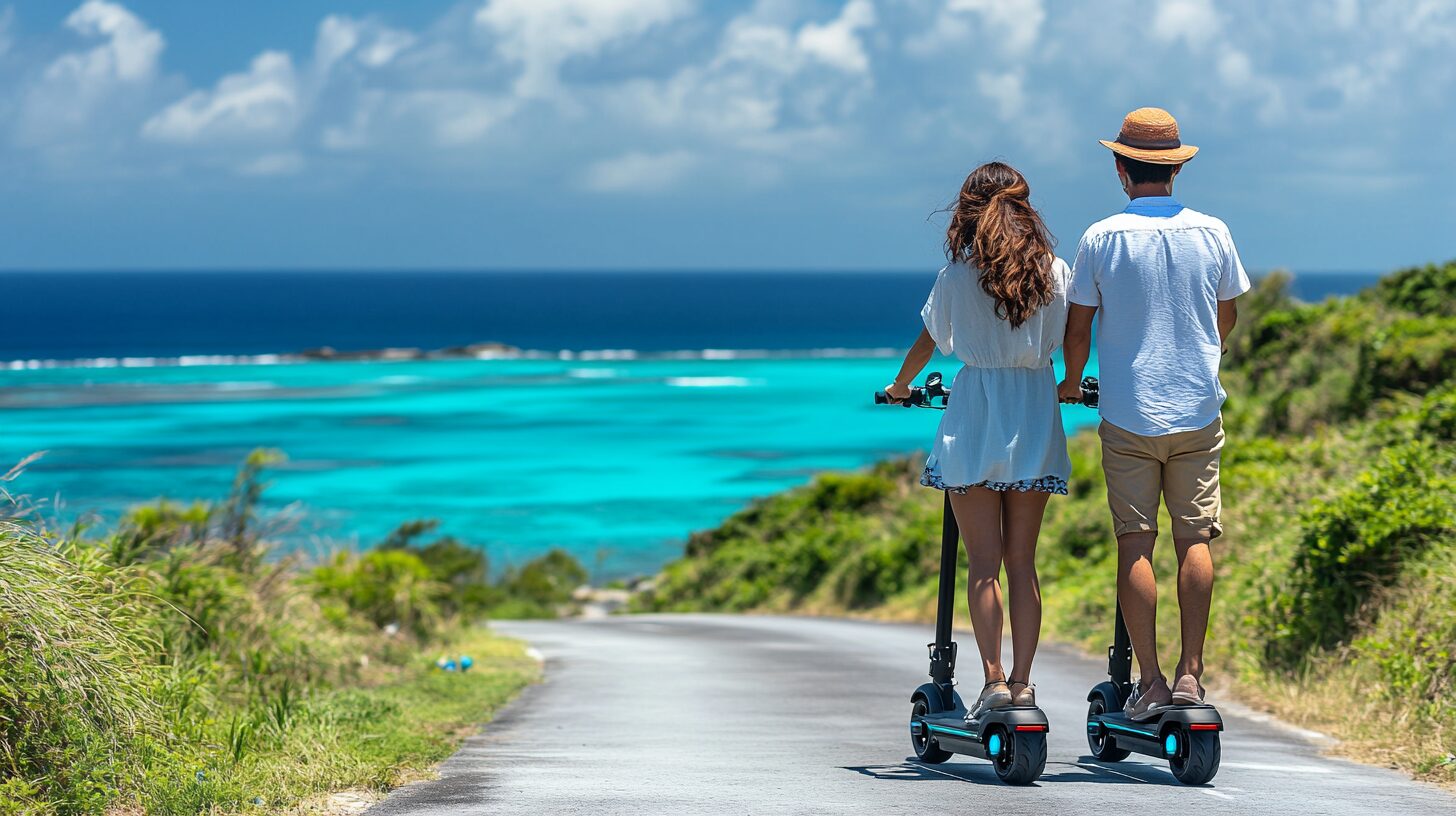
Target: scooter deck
1146, 736
953, 733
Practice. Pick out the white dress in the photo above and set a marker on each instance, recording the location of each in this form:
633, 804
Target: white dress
1002, 428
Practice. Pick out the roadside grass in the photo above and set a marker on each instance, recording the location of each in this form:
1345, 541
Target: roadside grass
1335, 596
175, 665
371, 739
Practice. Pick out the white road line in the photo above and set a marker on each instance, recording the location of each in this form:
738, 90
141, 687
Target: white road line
942, 773
1210, 792
1109, 770
1254, 766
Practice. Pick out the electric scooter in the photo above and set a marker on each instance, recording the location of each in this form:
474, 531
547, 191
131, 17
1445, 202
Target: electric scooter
1186, 736
1014, 738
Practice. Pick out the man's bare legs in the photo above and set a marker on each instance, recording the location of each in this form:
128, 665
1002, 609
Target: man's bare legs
1195, 595
1137, 591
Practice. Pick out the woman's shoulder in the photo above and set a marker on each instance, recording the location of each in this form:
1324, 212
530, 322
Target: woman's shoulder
1061, 272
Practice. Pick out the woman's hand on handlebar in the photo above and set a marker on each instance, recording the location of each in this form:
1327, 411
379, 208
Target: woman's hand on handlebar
898, 392
1069, 391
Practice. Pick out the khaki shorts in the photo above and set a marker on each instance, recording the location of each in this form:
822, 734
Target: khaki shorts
1183, 467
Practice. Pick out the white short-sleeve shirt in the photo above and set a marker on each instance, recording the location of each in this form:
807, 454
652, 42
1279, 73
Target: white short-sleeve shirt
1157, 271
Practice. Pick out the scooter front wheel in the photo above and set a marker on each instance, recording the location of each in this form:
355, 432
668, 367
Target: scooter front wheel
925, 748
1098, 740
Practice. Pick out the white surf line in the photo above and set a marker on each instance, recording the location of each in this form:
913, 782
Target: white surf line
1255, 766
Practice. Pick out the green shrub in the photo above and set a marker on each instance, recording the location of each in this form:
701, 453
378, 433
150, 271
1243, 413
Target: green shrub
1356, 543
389, 588
1422, 290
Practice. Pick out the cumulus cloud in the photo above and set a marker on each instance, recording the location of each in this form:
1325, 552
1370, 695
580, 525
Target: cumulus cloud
128, 54
837, 42
62, 102
1011, 27
541, 35
1193, 22
260, 103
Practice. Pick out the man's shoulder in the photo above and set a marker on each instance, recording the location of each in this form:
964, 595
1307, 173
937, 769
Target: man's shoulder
1194, 218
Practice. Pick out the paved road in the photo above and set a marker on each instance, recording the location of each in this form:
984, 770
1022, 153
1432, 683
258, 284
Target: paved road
709, 714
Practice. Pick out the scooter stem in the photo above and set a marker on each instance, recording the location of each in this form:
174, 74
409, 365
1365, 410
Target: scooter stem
943, 650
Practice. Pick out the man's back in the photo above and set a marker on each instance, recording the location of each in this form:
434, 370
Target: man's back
1158, 271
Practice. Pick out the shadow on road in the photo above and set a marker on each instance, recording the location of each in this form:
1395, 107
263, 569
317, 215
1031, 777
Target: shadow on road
977, 773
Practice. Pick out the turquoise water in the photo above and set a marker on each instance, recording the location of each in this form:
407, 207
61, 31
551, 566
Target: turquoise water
614, 460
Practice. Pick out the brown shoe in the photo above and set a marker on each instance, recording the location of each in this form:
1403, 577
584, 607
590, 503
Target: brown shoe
995, 694
1025, 697
1187, 691
1148, 702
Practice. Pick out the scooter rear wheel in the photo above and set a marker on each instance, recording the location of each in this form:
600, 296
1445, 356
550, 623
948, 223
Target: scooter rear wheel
1196, 761
925, 748
1022, 758
1099, 741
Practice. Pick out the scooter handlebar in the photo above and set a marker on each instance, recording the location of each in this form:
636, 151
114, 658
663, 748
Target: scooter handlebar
925, 396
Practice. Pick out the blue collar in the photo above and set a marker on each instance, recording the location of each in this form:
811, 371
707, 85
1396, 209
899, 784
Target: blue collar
1155, 206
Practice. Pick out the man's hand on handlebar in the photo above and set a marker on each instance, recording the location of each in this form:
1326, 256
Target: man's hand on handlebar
1069, 391
898, 392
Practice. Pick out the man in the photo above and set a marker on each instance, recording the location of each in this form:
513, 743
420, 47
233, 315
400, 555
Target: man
1164, 278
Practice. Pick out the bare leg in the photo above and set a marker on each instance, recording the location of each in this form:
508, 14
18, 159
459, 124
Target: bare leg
1021, 515
978, 514
1195, 594
1137, 591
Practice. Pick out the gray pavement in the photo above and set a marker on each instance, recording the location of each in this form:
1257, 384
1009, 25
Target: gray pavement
704, 714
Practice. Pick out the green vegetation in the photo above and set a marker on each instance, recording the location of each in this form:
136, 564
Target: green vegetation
1336, 598
175, 665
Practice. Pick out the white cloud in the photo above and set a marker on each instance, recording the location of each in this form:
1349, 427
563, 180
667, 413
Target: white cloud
1006, 90
1195, 22
64, 103
541, 35
1011, 27
129, 53
767, 88
837, 42
640, 172
262, 103
372, 44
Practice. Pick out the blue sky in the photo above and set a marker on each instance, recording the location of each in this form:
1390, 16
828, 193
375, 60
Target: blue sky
688, 134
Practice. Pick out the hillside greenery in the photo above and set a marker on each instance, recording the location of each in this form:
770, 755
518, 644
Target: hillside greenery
177, 664
1335, 604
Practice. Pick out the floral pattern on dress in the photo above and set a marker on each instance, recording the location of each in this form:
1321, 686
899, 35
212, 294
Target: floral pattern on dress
1043, 484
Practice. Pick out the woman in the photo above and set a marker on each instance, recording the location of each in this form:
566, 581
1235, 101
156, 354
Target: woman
999, 306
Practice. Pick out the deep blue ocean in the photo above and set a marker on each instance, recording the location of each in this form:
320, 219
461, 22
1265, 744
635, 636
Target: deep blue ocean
658, 402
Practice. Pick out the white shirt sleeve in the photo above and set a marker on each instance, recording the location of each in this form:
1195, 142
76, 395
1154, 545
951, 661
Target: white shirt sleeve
936, 314
1232, 279
1083, 290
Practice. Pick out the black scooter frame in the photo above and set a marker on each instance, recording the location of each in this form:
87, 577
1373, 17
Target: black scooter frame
1013, 739
1186, 736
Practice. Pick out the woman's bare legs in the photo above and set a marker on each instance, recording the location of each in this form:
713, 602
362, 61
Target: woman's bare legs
978, 514
1021, 515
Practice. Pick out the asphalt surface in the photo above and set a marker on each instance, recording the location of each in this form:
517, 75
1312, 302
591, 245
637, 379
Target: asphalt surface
702, 714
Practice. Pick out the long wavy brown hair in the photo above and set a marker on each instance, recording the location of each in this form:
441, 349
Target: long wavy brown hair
994, 228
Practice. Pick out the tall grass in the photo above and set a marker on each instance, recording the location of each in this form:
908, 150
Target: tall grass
177, 665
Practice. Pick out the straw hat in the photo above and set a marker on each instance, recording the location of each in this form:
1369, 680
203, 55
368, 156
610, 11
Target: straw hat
1150, 135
